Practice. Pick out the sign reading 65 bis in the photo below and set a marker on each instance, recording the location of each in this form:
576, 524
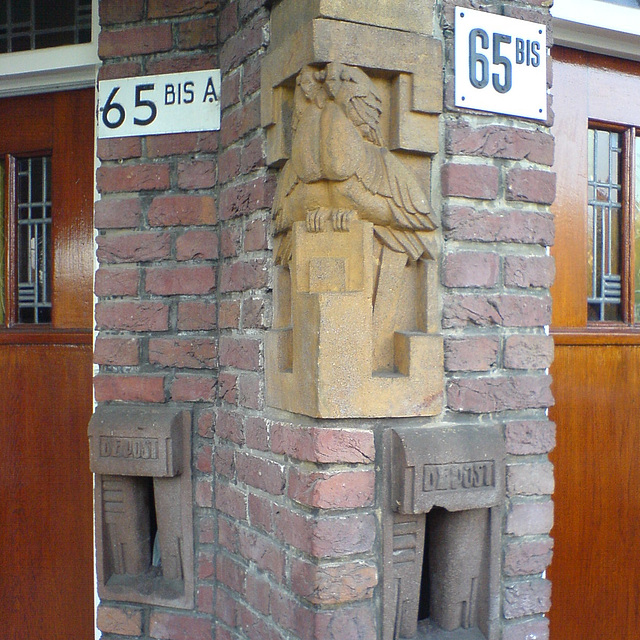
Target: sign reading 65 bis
500, 64
167, 103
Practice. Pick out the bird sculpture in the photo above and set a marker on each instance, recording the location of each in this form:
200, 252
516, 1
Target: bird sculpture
339, 168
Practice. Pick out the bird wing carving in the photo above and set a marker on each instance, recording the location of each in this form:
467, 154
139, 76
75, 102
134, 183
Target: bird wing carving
338, 159
361, 102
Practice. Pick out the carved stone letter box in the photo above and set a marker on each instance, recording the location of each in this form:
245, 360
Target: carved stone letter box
442, 532
144, 530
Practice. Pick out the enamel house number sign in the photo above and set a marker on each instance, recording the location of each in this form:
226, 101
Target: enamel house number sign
500, 64
168, 103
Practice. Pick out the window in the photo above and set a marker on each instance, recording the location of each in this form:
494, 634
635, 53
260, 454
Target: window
25, 293
47, 45
613, 228
32, 24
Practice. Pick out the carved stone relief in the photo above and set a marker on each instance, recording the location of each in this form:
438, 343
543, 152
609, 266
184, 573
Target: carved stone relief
144, 522
356, 321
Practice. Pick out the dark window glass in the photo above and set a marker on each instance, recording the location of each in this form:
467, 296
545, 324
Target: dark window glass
604, 226
34, 239
39, 24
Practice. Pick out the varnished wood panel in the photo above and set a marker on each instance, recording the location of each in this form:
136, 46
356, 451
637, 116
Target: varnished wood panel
14, 112
596, 561
46, 567
72, 196
569, 291
46, 505
595, 570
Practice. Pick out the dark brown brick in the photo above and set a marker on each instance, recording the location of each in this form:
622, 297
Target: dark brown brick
118, 11
179, 626
137, 315
111, 213
333, 584
527, 598
197, 244
499, 393
170, 8
185, 353
182, 210
471, 353
500, 310
531, 185
135, 41
496, 141
191, 388
465, 223
471, 269
166, 281
261, 473
341, 490
470, 181
115, 281
133, 247
530, 437
136, 177
128, 388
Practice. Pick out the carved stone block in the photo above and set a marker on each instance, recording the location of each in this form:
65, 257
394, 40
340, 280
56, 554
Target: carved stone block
356, 313
452, 467
412, 60
322, 364
287, 16
143, 497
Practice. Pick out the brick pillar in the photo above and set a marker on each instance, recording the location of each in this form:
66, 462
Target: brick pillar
496, 190
287, 509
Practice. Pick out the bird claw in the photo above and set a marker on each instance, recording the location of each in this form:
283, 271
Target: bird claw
342, 218
316, 220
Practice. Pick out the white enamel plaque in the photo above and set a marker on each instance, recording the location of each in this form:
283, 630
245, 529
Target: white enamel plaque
168, 103
500, 64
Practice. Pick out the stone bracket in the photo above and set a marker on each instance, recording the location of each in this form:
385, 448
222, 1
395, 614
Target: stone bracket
413, 60
322, 365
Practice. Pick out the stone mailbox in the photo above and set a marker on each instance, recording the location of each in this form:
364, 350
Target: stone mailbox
442, 532
144, 531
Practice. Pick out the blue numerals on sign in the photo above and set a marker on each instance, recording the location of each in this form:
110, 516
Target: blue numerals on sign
527, 52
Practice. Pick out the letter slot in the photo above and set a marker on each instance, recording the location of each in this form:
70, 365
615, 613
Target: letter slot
144, 519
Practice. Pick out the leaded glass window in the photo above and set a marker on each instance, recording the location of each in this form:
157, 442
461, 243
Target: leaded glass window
33, 219
613, 225
38, 24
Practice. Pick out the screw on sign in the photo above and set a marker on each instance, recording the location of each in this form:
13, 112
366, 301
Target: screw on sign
500, 64
169, 103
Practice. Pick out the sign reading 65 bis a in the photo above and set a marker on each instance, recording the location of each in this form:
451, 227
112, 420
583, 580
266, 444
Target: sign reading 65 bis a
167, 103
500, 64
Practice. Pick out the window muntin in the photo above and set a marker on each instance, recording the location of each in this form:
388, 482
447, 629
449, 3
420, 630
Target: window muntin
27, 25
613, 225
33, 255
604, 216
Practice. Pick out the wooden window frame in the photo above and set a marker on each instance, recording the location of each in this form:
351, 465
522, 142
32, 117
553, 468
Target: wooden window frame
629, 135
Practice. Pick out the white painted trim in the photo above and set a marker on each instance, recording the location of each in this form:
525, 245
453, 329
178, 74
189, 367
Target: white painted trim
601, 27
55, 69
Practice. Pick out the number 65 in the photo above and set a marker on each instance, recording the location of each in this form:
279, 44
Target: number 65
478, 62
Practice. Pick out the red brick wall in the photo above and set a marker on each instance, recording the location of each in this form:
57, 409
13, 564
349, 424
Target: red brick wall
496, 187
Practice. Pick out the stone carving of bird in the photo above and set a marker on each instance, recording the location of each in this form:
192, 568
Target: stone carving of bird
339, 167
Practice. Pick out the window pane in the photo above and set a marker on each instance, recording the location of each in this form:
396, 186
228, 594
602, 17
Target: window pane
34, 239
39, 24
604, 226
636, 218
